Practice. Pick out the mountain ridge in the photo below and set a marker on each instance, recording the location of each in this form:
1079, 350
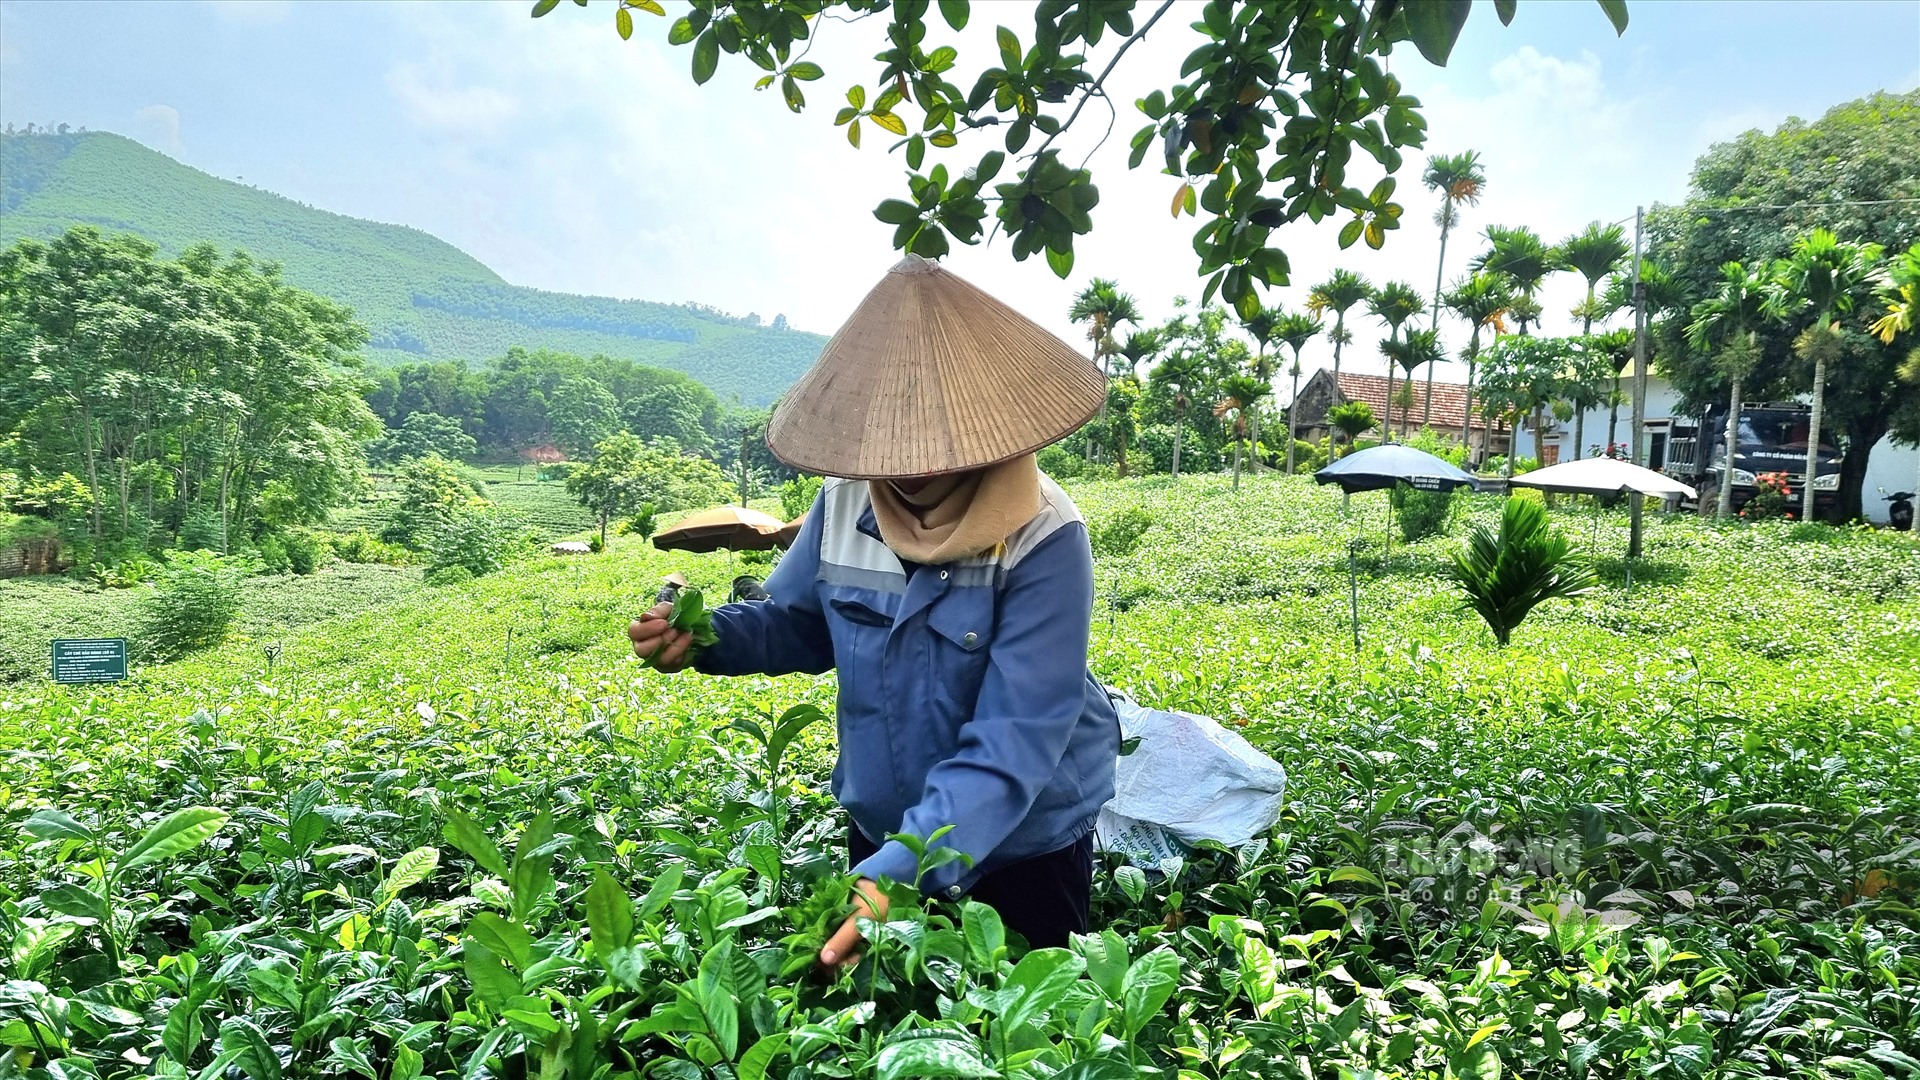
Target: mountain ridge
420, 297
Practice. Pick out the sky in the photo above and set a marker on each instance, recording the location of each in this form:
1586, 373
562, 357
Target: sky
567, 159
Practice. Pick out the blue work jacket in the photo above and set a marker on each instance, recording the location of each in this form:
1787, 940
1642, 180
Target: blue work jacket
965, 698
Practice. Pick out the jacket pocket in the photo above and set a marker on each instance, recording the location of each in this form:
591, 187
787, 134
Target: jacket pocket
962, 625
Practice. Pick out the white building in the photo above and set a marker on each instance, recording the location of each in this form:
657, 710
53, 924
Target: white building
1890, 468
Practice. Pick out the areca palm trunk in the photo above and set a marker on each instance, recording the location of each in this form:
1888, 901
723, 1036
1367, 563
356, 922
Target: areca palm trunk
1813, 422
1293, 413
1339, 332
1466, 412
1725, 501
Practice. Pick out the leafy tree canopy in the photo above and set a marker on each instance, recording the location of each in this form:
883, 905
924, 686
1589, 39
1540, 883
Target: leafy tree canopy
1855, 172
1260, 125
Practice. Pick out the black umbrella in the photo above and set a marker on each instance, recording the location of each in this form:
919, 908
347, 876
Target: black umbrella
1379, 468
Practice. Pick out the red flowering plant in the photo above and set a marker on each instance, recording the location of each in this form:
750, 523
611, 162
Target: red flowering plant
1772, 500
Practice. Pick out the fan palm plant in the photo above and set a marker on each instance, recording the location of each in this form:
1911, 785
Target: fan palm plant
1525, 259
1393, 303
1481, 300
1459, 179
1820, 276
1338, 294
1103, 307
1294, 330
1505, 575
1723, 324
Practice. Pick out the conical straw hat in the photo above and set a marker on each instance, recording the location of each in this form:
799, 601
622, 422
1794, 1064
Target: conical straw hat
930, 375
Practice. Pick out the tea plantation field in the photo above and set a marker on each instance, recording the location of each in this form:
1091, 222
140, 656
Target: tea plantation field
1668, 832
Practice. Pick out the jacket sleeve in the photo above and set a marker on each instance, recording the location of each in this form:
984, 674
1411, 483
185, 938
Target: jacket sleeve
783, 635
1030, 702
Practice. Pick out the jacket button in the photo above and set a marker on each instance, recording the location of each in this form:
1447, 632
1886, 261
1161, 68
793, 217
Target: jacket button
943, 575
970, 639
954, 892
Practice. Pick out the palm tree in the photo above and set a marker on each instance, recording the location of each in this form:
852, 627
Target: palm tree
1820, 275
1103, 307
1336, 294
1525, 259
1902, 297
1180, 375
1142, 346
1724, 324
1481, 300
1416, 348
1593, 253
1351, 419
1294, 330
1393, 303
1261, 326
1459, 180
1238, 392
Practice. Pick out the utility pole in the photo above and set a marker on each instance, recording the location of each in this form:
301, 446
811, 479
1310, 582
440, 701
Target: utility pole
1636, 452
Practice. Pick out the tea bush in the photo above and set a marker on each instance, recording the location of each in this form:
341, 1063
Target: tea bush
1668, 832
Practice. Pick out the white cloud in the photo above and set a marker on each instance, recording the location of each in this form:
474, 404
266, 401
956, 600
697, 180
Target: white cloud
162, 123
251, 12
431, 100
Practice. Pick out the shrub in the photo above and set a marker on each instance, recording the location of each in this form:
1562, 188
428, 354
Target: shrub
1421, 514
1772, 498
479, 540
1117, 536
272, 552
441, 576
595, 544
124, 574
192, 605
305, 551
433, 492
361, 546
797, 495
1063, 464
1506, 574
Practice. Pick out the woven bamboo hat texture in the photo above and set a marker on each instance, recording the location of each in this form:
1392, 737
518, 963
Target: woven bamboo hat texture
930, 375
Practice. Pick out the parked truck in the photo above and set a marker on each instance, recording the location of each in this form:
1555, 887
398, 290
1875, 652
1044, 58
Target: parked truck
1772, 438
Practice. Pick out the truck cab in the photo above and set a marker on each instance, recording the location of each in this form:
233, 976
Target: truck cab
1772, 437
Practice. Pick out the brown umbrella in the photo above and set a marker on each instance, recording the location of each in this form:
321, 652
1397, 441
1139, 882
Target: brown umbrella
735, 528
791, 531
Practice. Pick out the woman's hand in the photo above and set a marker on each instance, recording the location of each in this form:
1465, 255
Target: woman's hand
843, 947
654, 639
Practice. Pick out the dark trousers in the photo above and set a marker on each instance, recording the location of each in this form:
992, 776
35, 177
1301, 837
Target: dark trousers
1043, 898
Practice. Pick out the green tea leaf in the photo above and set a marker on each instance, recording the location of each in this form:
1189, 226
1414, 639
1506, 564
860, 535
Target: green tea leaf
1037, 983
609, 914
178, 832
931, 1054
412, 868
256, 1056
1148, 985
466, 834
55, 825
502, 938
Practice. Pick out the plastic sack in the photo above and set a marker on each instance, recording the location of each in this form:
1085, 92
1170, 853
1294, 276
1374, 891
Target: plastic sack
1188, 779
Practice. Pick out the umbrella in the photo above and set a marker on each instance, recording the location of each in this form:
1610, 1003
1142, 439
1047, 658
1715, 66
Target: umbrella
1603, 476
791, 531
1379, 467
735, 528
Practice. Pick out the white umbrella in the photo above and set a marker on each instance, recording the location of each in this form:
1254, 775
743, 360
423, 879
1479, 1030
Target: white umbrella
1602, 476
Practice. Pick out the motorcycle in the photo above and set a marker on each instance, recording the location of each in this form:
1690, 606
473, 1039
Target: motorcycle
1899, 509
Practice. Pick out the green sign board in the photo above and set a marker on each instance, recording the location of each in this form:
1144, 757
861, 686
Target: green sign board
89, 660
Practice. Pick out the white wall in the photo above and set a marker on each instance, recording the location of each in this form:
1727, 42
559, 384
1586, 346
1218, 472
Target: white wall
1890, 466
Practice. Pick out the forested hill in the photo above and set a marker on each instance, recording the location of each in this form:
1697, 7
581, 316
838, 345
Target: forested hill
420, 297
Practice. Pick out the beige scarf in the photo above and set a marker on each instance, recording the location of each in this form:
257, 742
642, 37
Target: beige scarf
960, 515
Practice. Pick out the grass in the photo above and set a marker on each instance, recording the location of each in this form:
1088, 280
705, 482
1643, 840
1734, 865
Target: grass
1665, 832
